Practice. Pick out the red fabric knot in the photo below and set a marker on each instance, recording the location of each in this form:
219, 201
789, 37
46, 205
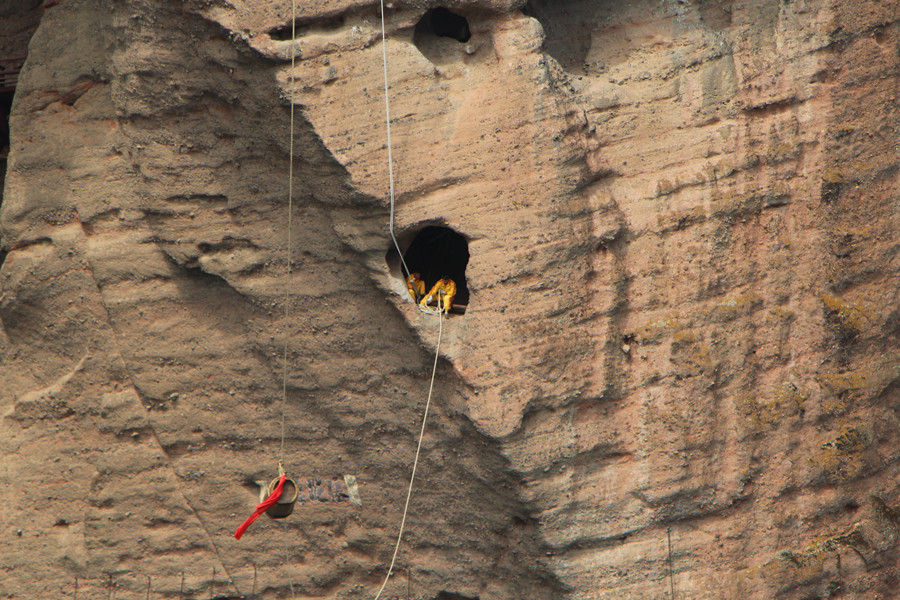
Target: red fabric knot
262, 507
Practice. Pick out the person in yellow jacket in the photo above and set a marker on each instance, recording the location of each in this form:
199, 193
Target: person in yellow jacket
444, 288
416, 286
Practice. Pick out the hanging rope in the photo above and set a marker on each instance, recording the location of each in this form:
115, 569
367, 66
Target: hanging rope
412, 478
387, 115
287, 287
407, 273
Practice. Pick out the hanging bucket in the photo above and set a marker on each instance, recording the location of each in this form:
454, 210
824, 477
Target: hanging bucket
285, 504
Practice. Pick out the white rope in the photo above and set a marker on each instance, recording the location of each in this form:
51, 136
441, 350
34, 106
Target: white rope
287, 286
412, 478
387, 115
407, 273
387, 121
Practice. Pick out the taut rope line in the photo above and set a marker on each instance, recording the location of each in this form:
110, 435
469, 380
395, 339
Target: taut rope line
387, 114
412, 477
287, 287
437, 352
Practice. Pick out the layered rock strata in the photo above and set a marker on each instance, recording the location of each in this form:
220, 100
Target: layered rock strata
676, 374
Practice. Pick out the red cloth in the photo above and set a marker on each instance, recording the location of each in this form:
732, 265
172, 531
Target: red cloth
262, 507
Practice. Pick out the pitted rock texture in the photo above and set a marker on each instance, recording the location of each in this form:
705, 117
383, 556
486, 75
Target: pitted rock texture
677, 372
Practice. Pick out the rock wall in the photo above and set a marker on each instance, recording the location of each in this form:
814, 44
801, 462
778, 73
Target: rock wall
676, 374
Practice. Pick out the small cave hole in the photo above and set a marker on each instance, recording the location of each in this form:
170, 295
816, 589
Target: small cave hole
5, 109
301, 27
445, 595
436, 252
440, 22
9, 72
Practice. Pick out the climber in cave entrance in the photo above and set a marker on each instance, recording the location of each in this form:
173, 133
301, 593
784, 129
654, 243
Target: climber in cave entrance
416, 286
444, 289
434, 269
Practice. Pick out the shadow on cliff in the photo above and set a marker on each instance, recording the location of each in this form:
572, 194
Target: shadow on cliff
204, 119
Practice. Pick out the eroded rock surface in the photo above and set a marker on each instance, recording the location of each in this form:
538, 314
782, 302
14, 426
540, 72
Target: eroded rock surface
677, 371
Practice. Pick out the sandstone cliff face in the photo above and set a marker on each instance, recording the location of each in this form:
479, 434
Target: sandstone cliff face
676, 374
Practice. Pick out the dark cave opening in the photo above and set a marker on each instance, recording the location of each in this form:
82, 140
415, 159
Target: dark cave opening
441, 36
5, 106
445, 595
18, 21
302, 26
437, 252
7, 89
440, 22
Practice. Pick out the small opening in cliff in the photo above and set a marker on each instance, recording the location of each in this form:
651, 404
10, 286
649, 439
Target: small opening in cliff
435, 252
444, 595
302, 27
9, 77
440, 22
435, 32
5, 107
7, 88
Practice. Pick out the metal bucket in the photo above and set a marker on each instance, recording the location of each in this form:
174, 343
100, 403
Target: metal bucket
285, 504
